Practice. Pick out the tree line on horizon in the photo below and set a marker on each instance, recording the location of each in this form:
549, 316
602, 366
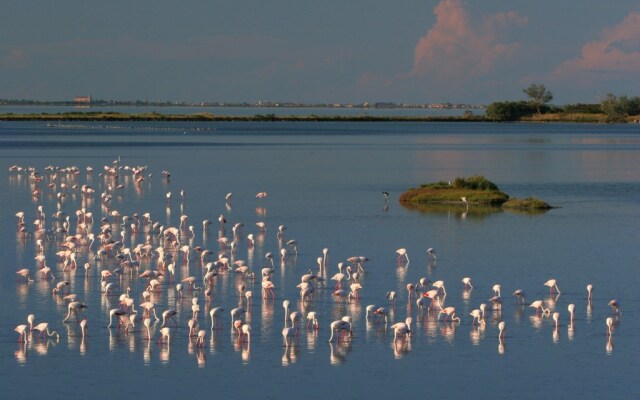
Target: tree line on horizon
615, 108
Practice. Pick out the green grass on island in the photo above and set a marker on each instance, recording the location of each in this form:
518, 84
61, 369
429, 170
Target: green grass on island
530, 203
473, 190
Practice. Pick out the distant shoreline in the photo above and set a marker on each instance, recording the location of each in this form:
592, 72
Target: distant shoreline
208, 117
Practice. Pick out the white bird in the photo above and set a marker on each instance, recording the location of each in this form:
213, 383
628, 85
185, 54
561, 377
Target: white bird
402, 329
609, 323
289, 333
501, 328
431, 252
571, 308
467, 282
538, 305
402, 252
215, 313
556, 318
552, 285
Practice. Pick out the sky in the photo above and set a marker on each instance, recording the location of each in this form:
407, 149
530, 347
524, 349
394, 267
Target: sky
474, 51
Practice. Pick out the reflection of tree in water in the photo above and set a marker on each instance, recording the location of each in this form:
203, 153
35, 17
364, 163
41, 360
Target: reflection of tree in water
457, 211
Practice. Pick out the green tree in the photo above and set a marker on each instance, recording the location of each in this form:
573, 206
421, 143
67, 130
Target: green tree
508, 110
615, 107
538, 95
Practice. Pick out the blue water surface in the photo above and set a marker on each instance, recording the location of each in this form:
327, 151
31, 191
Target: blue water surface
324, 183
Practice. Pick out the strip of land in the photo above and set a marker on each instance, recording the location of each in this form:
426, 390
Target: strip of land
116, 116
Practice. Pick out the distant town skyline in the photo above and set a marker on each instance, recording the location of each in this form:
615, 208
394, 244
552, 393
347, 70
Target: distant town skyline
448, 51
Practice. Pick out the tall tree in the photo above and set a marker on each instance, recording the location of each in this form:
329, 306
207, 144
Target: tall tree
538, 95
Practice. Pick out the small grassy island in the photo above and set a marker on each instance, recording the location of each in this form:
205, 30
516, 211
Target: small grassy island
469, 191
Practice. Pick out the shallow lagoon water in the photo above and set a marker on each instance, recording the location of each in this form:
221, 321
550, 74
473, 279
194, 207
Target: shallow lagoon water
324, 182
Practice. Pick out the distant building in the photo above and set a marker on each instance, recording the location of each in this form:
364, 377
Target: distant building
82, 99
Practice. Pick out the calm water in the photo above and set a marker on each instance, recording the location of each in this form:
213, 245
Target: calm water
324, 182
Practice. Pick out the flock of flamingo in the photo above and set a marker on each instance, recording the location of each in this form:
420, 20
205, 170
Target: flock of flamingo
164, 262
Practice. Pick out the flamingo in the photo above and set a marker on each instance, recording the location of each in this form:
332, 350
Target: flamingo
73, 308
295, 317
402, 252
149, 306
371, 308
285, 305
571, 308
169, 314
467, 282
450, 312
43, 328
281, 230
440, 286
83, 328
519, 295
202, 335
24, 272
410, 288
589, 291
294, 245
477, 316
538, 305
117, 313
391, 296
552, 283
355, 290
615, 307
325, 256
312, 319
339, 277
288, 333
193, 326
501, 329
496, 290
22, 333
165, 333
237, 313
382, 312
431, 252
30, 319
147, 323
402, 329
341, 326
246, 333
423, 283
433, 295
215, 313
421, 302
268, 289
609, 323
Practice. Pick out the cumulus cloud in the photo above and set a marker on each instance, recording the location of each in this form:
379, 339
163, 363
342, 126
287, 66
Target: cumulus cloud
455, 47
616, 51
